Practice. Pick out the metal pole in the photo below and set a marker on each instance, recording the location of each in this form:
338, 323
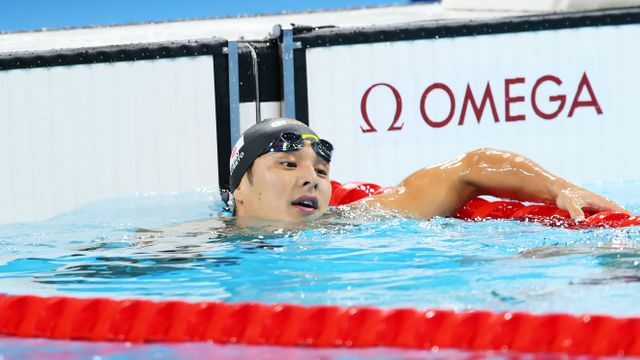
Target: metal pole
288, 78
234, 91
254, 58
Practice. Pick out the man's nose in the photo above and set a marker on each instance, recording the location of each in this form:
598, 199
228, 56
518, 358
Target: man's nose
308, 176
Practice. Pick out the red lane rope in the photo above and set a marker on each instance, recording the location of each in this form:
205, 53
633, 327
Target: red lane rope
481, 209
334, 326
315, 326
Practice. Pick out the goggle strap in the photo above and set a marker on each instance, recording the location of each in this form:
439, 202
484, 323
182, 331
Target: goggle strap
310, 136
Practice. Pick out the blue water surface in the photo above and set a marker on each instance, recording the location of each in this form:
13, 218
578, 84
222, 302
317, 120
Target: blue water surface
148, 246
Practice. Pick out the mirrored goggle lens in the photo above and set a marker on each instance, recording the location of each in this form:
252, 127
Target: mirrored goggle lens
324, 149
287, 142
293, 142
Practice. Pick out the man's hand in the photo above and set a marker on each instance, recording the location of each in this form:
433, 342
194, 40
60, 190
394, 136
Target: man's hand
575, 199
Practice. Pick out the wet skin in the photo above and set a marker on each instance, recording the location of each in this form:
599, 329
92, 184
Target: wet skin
287, 186
282, 181
440, 190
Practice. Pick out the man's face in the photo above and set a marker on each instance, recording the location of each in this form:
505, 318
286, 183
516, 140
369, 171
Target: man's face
286, 186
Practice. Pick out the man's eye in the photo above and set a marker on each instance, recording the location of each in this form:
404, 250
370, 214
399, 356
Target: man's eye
321, 172
288, 164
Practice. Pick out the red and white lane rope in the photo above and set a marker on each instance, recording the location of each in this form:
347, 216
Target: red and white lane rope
315, 326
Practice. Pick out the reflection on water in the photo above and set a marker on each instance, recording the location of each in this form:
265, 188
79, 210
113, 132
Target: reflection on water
616, 251
189, 245
124, 267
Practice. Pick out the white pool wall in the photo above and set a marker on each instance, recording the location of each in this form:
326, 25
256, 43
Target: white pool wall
71, 134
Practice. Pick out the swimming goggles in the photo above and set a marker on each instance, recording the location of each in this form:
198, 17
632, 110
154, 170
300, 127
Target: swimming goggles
290, 141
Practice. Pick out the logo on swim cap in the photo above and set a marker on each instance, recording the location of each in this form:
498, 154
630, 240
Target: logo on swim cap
283, 122
236, 155
235, 161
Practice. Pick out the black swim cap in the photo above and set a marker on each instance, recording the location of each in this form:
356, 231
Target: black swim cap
254, 142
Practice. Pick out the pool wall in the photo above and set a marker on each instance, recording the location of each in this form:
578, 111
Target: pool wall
556, 88
88, 123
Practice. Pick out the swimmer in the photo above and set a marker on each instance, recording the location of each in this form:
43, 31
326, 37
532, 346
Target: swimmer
280, 171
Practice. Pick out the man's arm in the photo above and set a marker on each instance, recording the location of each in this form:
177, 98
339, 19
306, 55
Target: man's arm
440, 190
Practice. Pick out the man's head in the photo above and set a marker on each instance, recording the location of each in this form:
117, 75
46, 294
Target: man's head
280, 171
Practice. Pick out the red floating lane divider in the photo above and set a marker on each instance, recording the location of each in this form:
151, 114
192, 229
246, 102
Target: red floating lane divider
315, 326
481, 209
347, 193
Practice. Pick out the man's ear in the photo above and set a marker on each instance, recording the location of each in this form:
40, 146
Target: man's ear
238, 193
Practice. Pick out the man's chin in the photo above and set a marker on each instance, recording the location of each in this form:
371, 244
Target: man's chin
297, 217
293, 217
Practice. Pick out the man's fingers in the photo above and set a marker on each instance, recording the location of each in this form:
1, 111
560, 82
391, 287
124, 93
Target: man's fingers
575, 211
574, 201
599, 203
610, 205
571, 205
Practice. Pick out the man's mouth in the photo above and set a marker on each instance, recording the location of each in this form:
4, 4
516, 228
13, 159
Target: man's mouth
306, 204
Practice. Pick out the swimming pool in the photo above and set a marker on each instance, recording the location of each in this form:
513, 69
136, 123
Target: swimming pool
101, 250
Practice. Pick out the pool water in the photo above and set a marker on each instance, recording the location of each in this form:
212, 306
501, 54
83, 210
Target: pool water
148, 246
